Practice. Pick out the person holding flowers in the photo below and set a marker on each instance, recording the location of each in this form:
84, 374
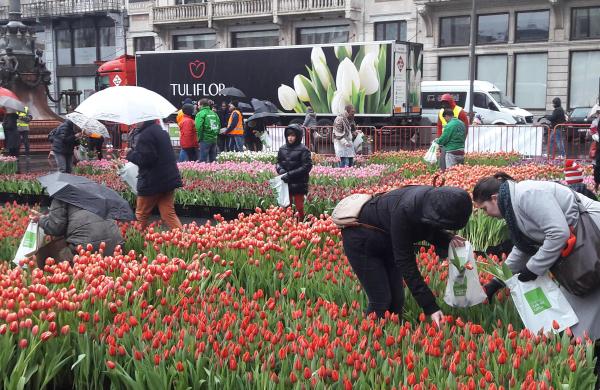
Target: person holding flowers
295, 163
380, 248
344, 130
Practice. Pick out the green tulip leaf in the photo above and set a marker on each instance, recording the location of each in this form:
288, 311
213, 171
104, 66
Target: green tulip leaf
314, 98
361, 102
330, 93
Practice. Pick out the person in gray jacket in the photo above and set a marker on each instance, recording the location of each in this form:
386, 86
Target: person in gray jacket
538, 215
79, 227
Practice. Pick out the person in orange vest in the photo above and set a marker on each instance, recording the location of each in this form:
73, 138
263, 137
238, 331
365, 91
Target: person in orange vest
180, 114
449, 103
235, 128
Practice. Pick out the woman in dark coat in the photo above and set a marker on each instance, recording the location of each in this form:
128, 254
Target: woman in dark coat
63, 139
11, 133
382, 253
158, 175
294, 163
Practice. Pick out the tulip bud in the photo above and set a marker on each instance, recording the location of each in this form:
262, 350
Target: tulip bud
287, 97
317, 56
339, 102
323, 74
299, 87
343, 51
372, 49
369, 80
347, 77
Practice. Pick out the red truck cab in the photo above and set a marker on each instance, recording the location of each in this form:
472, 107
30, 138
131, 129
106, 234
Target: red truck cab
117, 72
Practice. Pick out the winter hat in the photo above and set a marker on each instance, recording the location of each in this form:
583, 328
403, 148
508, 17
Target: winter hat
447, 208
188, 109
187, 101
573, 172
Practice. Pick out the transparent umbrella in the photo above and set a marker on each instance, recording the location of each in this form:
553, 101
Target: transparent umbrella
88, 125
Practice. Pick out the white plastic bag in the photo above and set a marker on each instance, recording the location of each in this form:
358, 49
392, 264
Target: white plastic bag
463, 288
540, 302
81, 153
31, 241
283, 192
358, 141
265, 138
431, 155
2, 136
129, 174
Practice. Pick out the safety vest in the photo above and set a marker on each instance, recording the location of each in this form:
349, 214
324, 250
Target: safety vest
457, 109
22, 119
239, 128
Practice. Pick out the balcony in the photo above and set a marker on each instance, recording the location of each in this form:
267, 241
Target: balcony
140, 7
219, 10
57, 8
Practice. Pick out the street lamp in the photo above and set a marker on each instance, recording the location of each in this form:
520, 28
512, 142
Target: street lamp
472, 60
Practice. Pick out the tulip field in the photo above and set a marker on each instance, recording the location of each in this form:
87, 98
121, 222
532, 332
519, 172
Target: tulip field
263, 301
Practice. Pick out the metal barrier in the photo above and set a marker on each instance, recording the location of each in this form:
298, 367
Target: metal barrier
524, 139
570, 140
395, 138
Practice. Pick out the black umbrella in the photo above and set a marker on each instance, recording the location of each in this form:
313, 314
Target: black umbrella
244, 106
271, 107
232, 92
87, 194
266, 116
263, 106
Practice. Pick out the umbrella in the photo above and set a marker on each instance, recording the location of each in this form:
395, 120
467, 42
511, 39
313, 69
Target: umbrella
87, 194
232, 92
88, 125
11, 103
270, 106
127, 105
264, 115
244, 107
263, 106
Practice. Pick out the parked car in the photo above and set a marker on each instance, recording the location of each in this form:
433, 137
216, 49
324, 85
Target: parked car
579, 115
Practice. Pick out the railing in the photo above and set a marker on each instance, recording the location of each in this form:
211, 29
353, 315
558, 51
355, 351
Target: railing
175, 13
140, 6
289, 6
68, 7
231, 9
570, 140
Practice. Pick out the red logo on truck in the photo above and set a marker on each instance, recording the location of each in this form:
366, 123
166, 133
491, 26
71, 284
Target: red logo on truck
197, 69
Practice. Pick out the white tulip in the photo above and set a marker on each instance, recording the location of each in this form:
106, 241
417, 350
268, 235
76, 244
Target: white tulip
339, 102
372, 49
287, 97
300, 88
347, 77
317, 56
343, 51
323, 74
369, 79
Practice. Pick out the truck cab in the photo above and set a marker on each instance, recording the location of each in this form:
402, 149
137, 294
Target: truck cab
117, 72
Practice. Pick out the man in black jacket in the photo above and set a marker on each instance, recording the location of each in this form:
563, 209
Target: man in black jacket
557, 117
382, 253
158, 175
63, 139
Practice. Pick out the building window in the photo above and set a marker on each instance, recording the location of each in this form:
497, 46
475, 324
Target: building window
585, 23
329, 34
143, 44
195, 41
530, 80
454, 68
395, 30
584, 76
63, 47
85, 41
532, 26
492, 29
84, 44
255, 38
454, 31
493, 68
85, 84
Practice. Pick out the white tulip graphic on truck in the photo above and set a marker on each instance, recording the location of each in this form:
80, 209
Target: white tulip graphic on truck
360, 80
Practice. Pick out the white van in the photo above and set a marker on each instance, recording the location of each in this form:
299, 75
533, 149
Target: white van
488, 102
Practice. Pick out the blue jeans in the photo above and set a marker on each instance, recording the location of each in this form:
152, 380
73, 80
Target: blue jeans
346, 162
236, 143
558, 145
208, 152
182, 155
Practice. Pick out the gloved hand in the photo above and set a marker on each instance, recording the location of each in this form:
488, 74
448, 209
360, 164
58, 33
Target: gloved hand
285, 178
492, 288
596, 137
526, 275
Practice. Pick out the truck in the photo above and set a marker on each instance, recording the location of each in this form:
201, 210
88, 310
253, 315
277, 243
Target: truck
381, 79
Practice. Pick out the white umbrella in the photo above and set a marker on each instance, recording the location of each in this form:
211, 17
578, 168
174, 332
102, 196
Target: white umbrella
127, 105
88, 125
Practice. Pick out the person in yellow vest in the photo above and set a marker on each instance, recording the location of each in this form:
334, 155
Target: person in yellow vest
449, 103
235, 128
24, 117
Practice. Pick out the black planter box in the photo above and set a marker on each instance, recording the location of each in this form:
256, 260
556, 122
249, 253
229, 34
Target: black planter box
30, 199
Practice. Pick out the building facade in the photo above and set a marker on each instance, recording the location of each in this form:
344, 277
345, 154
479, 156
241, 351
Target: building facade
74, 35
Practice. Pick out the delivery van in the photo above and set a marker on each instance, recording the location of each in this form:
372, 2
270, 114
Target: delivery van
489, 103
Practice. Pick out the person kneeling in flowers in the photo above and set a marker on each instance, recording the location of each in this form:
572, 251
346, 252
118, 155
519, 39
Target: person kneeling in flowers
294, 163
381, 248
538, 215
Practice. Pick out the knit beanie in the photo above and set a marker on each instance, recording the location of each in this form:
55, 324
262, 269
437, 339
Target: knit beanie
573, 172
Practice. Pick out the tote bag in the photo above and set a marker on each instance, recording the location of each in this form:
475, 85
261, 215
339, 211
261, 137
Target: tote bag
463, 288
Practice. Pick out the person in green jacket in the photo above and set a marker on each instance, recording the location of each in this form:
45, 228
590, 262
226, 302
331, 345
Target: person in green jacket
207, 126
453, 140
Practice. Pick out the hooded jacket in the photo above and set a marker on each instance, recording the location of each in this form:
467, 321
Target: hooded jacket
294, 162
153, 154
63, 138
462, 116
187, 130
416, 213
310, 120
558, 114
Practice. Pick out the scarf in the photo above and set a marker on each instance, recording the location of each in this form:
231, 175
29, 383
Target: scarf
521, 241
343, 129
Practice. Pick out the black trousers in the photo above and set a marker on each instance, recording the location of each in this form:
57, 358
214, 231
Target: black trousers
192, 153
95, 144
597, 166
371, 257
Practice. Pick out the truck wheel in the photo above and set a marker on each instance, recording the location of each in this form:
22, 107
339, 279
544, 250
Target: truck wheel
324, 122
